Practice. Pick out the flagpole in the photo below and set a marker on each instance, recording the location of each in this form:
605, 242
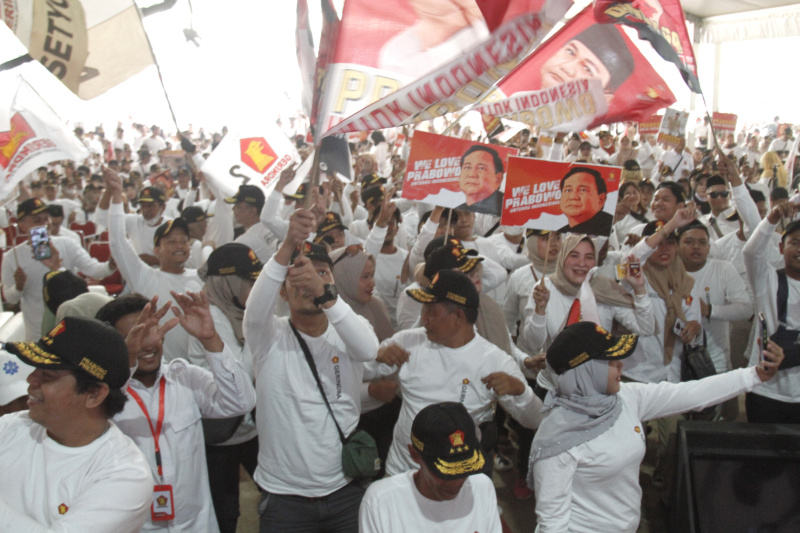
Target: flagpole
158, 69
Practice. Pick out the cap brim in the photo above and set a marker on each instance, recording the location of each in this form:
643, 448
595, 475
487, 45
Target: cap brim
330, 227
36, 211
448, 470
34, 355
470, 264
623, 348
422, 296
146, 199
231, 200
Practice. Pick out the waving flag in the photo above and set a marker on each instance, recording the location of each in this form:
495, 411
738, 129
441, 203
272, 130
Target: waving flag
443, 85
661, 23
584, 49
90, 45
31, 136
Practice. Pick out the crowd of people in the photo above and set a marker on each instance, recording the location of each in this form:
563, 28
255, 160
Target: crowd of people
271, 332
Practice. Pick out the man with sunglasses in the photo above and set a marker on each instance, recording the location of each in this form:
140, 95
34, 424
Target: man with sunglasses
722, 219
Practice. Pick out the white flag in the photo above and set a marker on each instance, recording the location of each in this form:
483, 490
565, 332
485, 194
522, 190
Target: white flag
31, 136
250, 155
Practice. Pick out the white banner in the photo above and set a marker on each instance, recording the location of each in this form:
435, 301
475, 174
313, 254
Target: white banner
571, 106
31, 136
250, 155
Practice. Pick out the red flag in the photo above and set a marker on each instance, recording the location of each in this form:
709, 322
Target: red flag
410, 79
585, 49
662, 23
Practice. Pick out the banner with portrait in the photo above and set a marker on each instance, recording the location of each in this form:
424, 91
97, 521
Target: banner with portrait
649, 126
673, 128
560, 196
585, 49
456, 173
399, 62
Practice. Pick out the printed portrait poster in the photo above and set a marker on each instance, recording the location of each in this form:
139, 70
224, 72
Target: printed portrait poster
724, 121
560, 196
650, 126
435, 173
673, 128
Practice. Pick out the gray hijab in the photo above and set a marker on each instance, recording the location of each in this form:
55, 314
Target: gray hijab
578, 410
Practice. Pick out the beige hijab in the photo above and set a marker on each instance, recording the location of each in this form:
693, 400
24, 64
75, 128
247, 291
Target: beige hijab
347, 271
673, 285
606, 290
531, 245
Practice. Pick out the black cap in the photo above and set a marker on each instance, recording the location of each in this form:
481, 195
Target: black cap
249, 194
583, 341
372, 179
373, 194
451, 256
448, 286
151, 194
791, 228
716, 179
300, 194
168, 227
59, 286
31, 206
85, 345
444, 435
332, 221
536, 233
55, 210
195, 214
315, 252
234, 259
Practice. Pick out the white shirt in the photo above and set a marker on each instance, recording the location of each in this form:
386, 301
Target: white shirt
595, 486
518, 292
723, 288
259, 239
149, 281
191, 392
395, 504
299, 446
73, 257
435, 373
140, 232
388, 270
154, 145
103, 486
785, 386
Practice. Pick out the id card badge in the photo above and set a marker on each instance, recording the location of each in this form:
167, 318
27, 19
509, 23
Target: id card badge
162, 508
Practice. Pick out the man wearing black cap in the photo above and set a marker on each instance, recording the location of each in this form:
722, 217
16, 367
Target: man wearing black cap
66, 466
247, 206
171, 248
334, 232
56, 212
140, 228
448, 492
22, 274
777, 296
446, 360
299, 464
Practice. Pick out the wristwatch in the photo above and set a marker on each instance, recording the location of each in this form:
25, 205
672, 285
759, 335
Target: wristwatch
330, 294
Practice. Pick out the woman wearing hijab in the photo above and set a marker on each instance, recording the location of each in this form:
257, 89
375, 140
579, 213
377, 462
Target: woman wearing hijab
559, 301
588, 449
354, 277
229, 275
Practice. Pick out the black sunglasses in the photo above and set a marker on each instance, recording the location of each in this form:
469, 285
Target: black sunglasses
715, 195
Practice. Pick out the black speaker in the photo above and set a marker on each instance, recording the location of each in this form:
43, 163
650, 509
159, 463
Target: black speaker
736, 478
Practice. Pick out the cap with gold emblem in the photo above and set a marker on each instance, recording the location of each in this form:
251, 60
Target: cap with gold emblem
85, 345
448, 286
444, 435
583, 341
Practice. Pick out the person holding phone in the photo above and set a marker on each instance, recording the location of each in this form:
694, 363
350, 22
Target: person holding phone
25, 265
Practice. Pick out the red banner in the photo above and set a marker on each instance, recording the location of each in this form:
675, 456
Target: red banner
724, 121
586, 49
454, 172
558, 196
650, 126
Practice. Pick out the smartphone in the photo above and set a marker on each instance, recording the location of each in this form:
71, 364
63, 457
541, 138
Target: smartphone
764, 334
40, 241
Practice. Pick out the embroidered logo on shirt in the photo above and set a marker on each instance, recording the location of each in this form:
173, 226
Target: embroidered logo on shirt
62, 509
638, 430
338, 375
335, 360
464, 384
10, 368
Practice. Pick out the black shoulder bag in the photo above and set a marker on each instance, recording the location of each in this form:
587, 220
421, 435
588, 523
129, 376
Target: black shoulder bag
360, 458
785, 338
